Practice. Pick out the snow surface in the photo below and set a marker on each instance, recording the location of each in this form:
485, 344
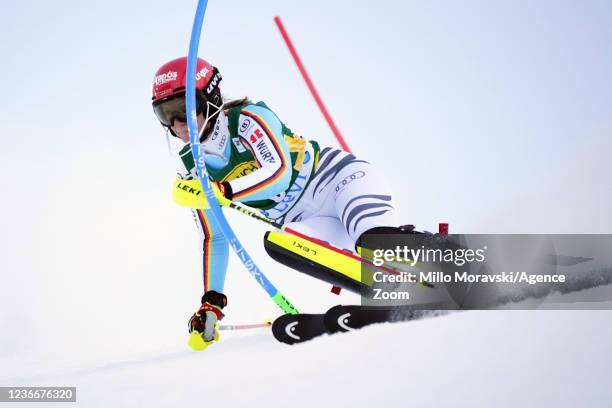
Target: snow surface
479, 359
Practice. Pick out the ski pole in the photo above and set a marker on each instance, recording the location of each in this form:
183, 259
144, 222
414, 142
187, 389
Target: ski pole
253, 214
188, 193
245, 326
194, 141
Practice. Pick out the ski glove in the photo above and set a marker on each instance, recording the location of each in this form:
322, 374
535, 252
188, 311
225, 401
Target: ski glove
224, 189
223, 192
204, 321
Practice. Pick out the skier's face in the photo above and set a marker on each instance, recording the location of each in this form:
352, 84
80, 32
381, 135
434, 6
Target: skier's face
180, 128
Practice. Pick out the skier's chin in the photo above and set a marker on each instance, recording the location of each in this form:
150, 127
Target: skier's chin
184, 138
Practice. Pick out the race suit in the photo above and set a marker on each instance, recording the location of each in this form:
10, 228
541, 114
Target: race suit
323, 192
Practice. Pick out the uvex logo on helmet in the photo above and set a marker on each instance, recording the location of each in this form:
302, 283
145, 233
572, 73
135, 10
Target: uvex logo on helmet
202, 73
165, 77
213, 83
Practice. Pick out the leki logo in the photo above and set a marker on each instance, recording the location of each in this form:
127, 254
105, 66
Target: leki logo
304, 247
190, 190
202, 73
166, 77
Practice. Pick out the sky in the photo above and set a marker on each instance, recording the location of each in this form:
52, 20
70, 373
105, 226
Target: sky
491, 116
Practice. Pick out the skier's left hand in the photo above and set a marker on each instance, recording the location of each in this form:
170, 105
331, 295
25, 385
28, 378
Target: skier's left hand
222, 191
203, 323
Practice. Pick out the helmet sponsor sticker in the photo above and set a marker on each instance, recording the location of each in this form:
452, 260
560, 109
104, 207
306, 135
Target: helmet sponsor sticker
165, 77
202, 73
213, 83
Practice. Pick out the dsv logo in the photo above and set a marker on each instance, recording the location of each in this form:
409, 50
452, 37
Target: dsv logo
356, 175
245, 125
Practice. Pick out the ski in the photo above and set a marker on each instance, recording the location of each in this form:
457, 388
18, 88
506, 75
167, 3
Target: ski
298, 328
346, 318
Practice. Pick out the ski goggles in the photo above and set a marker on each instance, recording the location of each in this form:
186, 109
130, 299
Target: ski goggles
174, 109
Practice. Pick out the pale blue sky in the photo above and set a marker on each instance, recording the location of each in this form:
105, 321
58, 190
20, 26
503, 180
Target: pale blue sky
493, 116
509, 92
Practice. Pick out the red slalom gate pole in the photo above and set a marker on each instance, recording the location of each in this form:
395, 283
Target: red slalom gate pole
310, 85
443, 228
298, 61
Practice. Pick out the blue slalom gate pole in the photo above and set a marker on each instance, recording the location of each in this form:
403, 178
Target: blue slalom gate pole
194, 141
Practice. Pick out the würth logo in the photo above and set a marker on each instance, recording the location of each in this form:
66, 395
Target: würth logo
256, 135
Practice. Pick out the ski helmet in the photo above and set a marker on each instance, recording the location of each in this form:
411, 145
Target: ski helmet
169, 89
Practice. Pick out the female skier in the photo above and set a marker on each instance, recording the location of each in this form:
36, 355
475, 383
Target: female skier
253, 158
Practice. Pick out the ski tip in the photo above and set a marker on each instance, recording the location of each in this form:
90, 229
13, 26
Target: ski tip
292, 329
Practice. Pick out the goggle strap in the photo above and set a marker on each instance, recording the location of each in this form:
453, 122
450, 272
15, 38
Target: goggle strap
168, 140
209, 117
